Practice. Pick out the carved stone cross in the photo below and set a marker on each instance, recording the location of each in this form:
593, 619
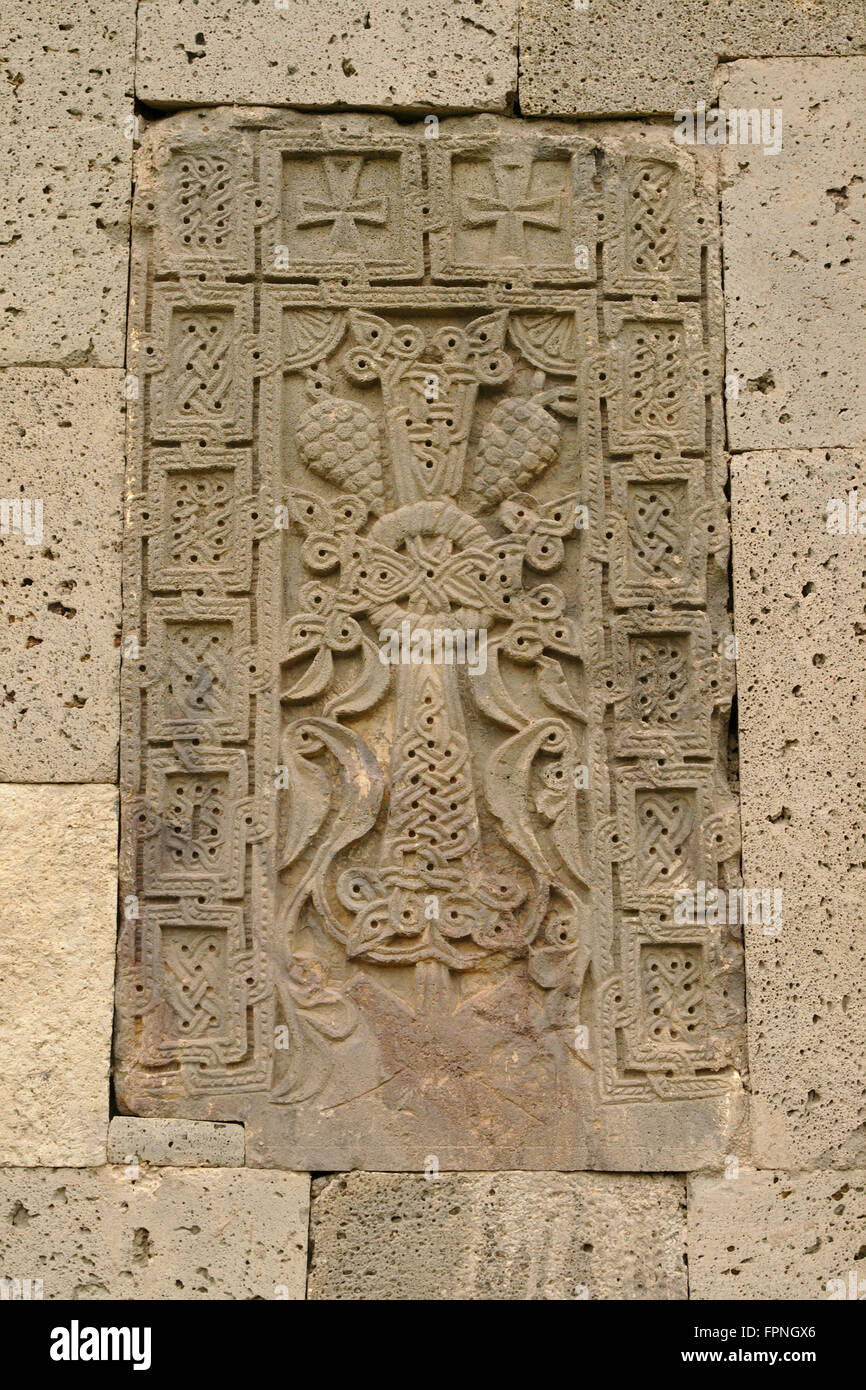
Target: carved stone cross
426, 735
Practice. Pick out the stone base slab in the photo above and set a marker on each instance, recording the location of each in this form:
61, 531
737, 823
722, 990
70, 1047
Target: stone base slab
179, 1233
58, 925
767, 1235
497, 1236
175, 1143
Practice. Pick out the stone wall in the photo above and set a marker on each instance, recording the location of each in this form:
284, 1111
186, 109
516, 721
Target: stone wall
102, 1205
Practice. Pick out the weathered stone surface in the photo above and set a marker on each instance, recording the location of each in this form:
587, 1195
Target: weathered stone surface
426, 55
627, 57
61, 462
176, 1233
496, 1236
781, 1235
799, 606
65, 165
387, 912
175, 1143
58, 914
795, 257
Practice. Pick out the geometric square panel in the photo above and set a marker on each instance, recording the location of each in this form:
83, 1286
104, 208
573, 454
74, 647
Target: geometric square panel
198, 659
658, 378
666, 682
520, 214
198, 518
335, 209
659, 542
194, 836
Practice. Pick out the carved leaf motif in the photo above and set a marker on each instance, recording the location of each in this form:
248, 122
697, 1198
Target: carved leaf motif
566, 837
554, 688
366, 690
308, 799
491, 695
309, 511
549, 967
487, 334
371, 330
361, 783
548, 341
310, 335
331, 1015
506, 785
370, 929
315, 679
314, 1011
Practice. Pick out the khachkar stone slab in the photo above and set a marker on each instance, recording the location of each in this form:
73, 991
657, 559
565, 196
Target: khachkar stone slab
393, 384
627, 57
425, 56
493, 1236
766, 1235
799, 522
795, 257
176, 1233
58, 915
66, 84
61, 493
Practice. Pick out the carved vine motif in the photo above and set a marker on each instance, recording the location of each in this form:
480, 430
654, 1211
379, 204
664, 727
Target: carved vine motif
431, 895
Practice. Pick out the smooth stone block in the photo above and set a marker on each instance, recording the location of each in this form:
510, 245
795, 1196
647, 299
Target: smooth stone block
177, 1233
794, 237
768, 1235
645, 57
175, 1143
424, 56
58, 925
799, 597
65, 171
495, 1236
61, 460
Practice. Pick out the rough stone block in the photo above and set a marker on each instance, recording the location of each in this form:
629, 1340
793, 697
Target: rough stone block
794, 235
425, 904
61, 466
58, 916
628, 57
65, 167
768, 1235
425, 56
175, 1143
495, 1236
799, 596
177, 1233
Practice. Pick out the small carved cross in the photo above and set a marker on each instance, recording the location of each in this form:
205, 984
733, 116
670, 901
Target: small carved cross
511, 209
344, 209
